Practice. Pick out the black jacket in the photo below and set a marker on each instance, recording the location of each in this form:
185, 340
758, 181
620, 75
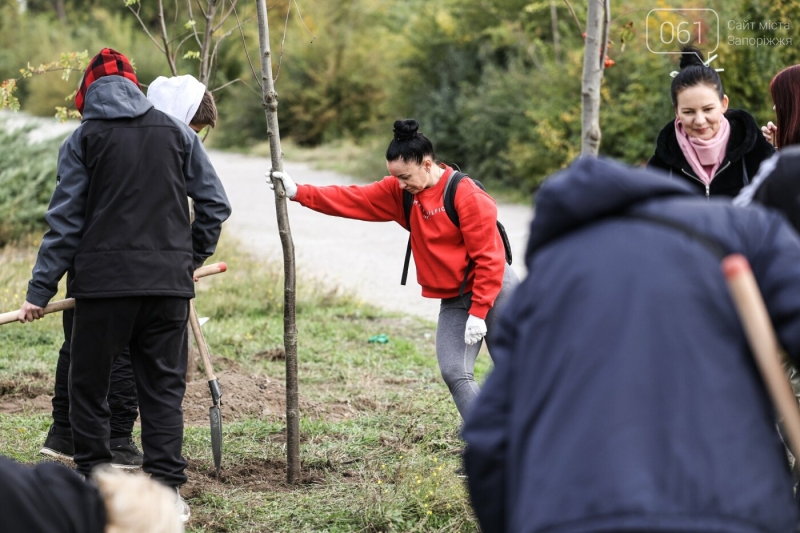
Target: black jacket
119, 217
779, 188
746, 149
48, 498
624, 395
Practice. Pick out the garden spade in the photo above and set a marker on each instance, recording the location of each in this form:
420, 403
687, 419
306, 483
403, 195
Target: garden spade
213, 385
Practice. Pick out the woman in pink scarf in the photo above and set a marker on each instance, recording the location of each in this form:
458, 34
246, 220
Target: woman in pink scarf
716, 149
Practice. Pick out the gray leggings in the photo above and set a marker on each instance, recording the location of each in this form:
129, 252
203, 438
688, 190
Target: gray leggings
456, 358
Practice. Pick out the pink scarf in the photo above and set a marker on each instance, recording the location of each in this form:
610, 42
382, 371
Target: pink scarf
704, 156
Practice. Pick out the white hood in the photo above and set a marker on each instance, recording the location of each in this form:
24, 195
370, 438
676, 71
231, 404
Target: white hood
179, 96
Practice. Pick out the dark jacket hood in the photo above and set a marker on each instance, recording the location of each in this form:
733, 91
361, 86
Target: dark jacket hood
744, 134
114, 97
592, 188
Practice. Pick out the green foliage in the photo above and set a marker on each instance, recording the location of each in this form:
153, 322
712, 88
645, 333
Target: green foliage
482, 77
27, 180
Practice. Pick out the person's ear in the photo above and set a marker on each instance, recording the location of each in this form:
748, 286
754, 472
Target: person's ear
724, 103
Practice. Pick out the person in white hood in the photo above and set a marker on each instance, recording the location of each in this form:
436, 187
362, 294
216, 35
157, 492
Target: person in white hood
187, 100
184, 98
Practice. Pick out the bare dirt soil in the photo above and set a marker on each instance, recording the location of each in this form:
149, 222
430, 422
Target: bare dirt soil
243, 396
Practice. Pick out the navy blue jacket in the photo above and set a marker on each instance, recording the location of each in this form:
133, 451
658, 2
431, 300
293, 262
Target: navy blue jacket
624, 396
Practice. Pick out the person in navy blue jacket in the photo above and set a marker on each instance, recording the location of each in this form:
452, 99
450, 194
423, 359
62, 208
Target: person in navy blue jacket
624, 396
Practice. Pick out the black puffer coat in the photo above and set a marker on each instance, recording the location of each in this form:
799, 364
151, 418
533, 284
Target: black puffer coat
747, 149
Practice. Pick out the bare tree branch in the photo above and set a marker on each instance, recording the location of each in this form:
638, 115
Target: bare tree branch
574, 16
200, 7
285, 27
175, 22
230, 83
244, 45
165, 38
301, 20
606, 29
144, 26
194, 26
205, 51
226, 16
216, 45
180, 44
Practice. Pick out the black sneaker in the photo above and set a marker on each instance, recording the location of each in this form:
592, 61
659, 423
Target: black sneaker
58, 443
125, 454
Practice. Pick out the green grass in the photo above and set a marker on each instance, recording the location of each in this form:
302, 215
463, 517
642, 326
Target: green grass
379, 431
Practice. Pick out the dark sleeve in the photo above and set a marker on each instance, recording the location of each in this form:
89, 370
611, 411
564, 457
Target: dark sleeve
65, 216
760, 153
486, 433
780, 188
211, 206
658, 163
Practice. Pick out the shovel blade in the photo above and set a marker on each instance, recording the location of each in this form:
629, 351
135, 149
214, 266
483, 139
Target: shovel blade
216, 435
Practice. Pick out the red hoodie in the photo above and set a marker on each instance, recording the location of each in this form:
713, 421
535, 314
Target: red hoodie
441, 250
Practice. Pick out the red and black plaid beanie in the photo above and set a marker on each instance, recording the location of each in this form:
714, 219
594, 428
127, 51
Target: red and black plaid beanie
107, 63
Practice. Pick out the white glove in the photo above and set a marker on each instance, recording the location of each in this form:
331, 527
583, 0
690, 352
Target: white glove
288, 183
476, 329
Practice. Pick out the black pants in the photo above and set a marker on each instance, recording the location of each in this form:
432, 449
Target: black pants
154, 327
121, 394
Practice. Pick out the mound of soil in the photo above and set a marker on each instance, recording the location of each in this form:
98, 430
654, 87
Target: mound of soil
253, 474
17, 403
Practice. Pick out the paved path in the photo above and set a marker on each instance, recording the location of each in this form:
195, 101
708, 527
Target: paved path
365, 257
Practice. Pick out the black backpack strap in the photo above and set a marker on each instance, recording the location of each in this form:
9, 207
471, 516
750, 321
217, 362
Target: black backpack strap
408, 202
450, 196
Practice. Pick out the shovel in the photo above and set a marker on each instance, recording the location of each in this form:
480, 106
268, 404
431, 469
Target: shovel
69, 303
764, 345
213, 385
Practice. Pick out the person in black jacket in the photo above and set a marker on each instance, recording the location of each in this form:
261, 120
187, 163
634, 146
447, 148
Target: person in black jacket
624, 395
777, 184
51, 498
119, 221
715, 149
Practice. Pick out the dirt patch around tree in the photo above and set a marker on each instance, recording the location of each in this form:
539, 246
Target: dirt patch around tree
243, 396
253, 396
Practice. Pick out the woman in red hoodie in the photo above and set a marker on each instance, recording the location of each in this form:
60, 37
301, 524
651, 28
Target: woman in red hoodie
442, 251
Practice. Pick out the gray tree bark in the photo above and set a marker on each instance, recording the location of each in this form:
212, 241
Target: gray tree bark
270, 105
593, 66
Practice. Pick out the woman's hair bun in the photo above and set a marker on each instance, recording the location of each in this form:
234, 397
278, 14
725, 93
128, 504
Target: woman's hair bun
690, 56
405, 129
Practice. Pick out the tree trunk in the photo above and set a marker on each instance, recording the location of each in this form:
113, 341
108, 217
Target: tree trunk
270, 105
593, 65
61, 11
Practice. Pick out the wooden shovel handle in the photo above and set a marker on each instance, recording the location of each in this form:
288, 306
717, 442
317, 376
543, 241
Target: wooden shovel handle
208, 270
69, 303
54, 307
764, 345
200, 339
